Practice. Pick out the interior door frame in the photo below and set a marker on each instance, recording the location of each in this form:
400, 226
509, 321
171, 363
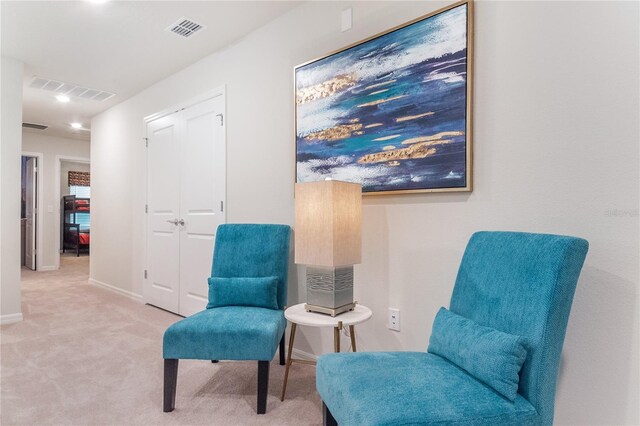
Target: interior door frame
58, 170
39, 202
205, 96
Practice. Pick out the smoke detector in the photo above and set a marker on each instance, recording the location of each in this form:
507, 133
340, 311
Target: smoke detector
185, 27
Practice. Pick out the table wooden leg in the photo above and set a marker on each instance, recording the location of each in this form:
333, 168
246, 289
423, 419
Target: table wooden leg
352, 333
336, 339
292, 336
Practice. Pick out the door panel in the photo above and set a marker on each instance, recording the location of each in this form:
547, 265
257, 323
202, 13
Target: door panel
201, 197
30, 213
163, 199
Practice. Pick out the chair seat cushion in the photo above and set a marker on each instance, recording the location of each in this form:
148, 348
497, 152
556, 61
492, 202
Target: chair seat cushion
226, 333
411, 388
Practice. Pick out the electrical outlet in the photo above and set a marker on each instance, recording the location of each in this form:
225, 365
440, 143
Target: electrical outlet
394, 319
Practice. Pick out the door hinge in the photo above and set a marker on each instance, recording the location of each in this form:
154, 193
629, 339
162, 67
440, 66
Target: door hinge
221, 206
221, 118
146, 142
145, 274
146, 208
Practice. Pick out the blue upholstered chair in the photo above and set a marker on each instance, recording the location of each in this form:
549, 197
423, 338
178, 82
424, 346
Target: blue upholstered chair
492, 359
244, 319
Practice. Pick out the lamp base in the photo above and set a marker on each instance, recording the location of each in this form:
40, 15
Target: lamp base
330, 290
330, 311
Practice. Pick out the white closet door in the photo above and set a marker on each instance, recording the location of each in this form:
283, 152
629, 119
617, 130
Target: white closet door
202, 194
162, 287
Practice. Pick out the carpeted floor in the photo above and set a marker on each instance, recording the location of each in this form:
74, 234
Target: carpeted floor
86, 356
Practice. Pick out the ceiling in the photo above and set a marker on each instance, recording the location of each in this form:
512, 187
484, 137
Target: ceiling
115, 46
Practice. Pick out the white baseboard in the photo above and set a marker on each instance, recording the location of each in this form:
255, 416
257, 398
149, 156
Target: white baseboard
297, 353
48, 268
121, 292
10, 318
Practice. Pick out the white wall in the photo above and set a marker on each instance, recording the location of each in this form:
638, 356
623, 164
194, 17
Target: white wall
555, 149
52, 147
11, 131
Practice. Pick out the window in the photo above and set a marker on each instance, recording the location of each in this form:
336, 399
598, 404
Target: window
84, 220
80, 191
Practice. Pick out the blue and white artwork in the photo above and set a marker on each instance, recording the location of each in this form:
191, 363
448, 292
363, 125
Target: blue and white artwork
391, 112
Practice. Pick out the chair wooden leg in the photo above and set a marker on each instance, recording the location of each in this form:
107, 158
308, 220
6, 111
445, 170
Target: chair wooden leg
281, 350
327, 417
170, 381
263, 386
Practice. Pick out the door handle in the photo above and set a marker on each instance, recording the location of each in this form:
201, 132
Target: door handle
181, 222
174, 221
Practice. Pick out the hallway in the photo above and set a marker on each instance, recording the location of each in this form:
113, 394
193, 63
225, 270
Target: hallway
85, 355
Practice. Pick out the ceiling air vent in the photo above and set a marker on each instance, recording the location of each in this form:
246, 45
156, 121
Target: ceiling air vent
70, 89
34, 126
185, 27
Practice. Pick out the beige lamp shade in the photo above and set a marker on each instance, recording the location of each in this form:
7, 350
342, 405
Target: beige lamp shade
327, 225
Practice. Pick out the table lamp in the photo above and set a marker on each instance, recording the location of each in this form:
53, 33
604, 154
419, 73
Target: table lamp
328, 242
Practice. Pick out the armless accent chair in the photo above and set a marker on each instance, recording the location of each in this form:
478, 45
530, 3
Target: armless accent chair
236, 325
493, 357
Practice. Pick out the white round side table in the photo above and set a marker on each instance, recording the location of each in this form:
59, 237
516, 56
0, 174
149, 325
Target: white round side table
297, 315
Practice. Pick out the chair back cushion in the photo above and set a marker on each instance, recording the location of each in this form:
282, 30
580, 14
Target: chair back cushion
259, 292
523, 284
491, 356
253, 250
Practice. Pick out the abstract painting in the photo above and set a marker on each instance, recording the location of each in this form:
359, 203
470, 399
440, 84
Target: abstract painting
391, 112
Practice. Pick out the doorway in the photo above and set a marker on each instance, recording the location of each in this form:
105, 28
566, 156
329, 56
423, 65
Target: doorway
73, 194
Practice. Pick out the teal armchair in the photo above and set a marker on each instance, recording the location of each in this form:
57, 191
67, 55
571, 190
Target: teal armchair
244, 319
493, 357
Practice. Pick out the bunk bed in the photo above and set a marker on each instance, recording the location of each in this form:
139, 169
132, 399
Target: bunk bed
75, 230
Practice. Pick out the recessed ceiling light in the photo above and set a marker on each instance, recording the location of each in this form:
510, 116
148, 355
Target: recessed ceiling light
76, 125
62, 98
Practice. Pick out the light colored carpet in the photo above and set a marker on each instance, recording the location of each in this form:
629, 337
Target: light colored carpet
86, 356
